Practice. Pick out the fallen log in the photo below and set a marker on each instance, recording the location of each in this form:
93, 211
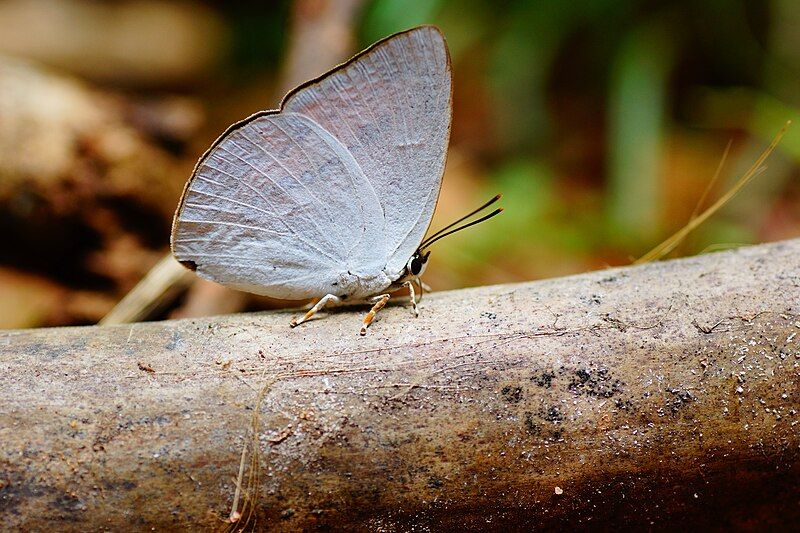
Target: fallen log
655, 396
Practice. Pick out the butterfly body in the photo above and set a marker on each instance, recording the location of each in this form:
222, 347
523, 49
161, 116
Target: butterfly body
360, 285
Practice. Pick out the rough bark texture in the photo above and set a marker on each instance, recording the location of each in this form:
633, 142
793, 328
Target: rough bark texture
651, 397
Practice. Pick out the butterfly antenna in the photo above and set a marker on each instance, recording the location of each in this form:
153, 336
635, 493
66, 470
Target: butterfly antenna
431, 238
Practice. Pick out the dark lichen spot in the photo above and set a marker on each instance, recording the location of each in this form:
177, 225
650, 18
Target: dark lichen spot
435, 482
552, 414
592, 299
545, 379
119, 485
490, 316
623, 405
613, 278
598, 383
512, 394
680, 398
530, 426
69, 504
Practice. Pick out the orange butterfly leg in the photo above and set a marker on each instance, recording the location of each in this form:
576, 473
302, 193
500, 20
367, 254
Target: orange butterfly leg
325, 300
381, 301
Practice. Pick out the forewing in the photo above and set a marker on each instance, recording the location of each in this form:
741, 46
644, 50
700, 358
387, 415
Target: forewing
276, 207
391, 108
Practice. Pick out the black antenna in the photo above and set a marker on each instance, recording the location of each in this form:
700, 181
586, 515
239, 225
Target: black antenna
435, 238
430, 238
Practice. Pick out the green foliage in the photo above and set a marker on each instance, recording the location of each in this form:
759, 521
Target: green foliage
636, 116
384, 17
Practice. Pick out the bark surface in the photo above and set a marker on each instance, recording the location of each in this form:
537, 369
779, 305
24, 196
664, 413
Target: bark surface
644, 397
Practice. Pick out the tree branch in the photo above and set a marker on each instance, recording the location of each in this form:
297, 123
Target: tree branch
659, 395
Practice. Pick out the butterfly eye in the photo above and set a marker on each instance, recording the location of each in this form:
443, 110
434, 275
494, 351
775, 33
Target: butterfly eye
416, 265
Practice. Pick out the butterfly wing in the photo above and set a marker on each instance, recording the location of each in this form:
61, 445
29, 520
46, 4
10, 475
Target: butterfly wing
345, 176
391, 106
264, 209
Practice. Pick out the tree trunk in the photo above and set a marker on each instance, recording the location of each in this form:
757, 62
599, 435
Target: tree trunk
655, 397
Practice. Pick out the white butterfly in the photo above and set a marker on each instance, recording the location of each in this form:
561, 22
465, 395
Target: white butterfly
330, 195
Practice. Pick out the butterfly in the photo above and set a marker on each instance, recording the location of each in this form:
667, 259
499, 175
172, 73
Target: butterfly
330, 195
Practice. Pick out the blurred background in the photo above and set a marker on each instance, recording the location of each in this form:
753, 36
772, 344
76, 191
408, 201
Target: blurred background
601, 121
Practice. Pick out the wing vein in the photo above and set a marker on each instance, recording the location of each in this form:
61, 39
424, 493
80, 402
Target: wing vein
233, 224
339, 114
299, 235
316, 171
385, 57
336, 150
243, 204
291, 175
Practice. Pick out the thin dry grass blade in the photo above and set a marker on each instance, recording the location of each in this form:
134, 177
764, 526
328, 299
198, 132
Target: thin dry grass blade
713, 180
755, 169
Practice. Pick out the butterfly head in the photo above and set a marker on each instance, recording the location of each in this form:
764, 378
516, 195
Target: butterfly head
416, 265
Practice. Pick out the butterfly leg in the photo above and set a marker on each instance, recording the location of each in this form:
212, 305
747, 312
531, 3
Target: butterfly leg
325, 300
380, 301
412, 295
